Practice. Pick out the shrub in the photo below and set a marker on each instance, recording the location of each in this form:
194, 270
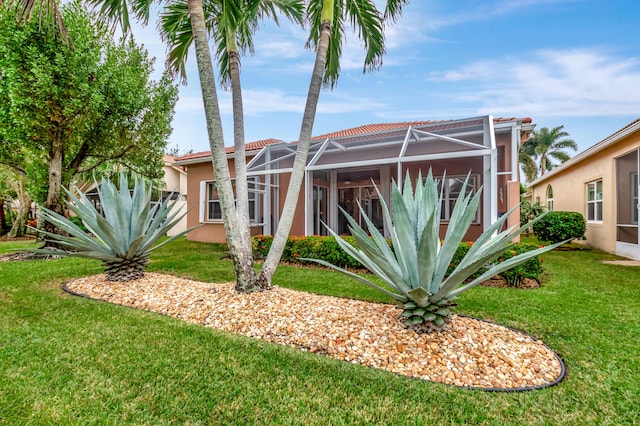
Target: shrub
530, 211
558, 226
73, 219
328, 249
531, 269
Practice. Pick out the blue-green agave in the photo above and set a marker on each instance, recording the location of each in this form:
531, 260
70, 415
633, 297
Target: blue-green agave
414, 267
125, 236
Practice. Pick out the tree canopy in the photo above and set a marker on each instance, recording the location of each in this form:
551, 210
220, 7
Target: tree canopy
537, 155
67, 109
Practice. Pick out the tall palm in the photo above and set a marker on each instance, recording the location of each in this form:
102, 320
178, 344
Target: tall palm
327, 19
231, 26
543, 148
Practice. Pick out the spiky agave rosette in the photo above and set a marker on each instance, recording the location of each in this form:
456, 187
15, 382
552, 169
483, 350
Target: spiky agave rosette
124, 237
415, 265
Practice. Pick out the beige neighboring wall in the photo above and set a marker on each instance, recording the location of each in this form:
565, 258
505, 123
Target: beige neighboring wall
569, 184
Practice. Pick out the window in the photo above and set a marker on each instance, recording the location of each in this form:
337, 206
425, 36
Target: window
634, 198
450, 193
214, 209
594, 201
549, 198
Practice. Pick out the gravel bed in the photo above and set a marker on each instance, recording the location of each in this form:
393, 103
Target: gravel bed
470, 352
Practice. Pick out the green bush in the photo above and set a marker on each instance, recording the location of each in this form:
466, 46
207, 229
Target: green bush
78, 222
327, 248
558, 226
529, 211
531, 269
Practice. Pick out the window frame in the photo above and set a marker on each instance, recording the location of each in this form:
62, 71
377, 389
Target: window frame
210, 200
448, 200
549, 198
596, 202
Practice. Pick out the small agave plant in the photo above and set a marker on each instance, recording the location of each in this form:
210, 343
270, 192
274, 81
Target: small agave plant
414, 267
124, 237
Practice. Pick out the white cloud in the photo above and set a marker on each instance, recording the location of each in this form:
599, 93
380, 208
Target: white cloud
577, 82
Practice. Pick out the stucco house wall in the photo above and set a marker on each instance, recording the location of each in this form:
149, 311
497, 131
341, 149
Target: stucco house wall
569, 184
199, 171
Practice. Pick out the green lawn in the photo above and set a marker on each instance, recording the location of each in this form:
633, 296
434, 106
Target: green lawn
70, 360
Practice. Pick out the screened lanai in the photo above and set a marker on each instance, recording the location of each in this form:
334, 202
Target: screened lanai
342, 169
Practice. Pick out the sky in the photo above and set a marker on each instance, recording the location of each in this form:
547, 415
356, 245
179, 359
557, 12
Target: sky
571, 63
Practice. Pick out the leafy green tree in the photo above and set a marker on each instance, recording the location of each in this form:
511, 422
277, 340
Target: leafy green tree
327, 18
537, 155
67, 109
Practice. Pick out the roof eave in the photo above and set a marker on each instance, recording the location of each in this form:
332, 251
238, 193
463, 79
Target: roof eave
629, 129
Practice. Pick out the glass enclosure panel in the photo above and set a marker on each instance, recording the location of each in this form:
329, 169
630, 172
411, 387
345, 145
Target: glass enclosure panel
627, 198
320, 210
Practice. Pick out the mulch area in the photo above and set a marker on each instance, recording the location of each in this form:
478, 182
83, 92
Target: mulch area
469, 353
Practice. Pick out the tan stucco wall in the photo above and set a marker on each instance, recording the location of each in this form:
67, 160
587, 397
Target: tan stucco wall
209, 232
570, 194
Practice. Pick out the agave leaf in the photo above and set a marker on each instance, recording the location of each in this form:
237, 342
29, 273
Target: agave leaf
420, 296
173, 237
377, 266
377, 237
96, 255
429, 317
415, 320
357, 277
501, 267
428, 253
62, 223
406, 250
133, 248
463, 214
75, 242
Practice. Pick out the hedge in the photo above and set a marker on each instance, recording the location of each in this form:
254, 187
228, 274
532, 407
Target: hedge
326, 248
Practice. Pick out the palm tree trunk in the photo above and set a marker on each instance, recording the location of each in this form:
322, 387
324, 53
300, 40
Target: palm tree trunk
243, 268
297, 175
245, 255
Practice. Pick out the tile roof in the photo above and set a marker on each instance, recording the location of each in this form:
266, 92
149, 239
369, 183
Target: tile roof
251, 146
382, 127
354, 131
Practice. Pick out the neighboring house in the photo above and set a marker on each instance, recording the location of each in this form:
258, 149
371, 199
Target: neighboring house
342, 168
175, 185
175, 181
602, 184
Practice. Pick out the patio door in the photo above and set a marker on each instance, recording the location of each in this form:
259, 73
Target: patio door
367, 196
628, 209
320, 211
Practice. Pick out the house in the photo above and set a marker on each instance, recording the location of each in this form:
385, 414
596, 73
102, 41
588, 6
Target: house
174, 185
602, 184
342, 168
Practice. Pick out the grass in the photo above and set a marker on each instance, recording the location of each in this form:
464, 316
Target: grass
69, 360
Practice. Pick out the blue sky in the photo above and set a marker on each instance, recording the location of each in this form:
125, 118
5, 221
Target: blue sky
561, 62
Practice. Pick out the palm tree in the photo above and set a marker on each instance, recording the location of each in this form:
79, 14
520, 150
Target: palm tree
538, 153
228, 33
231, 30
327, 18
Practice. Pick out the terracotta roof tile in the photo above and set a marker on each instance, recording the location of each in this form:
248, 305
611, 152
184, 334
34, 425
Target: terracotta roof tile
357, 133
251, 146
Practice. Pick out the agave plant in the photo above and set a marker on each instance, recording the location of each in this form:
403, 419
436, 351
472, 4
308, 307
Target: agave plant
415, 265
125, 236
